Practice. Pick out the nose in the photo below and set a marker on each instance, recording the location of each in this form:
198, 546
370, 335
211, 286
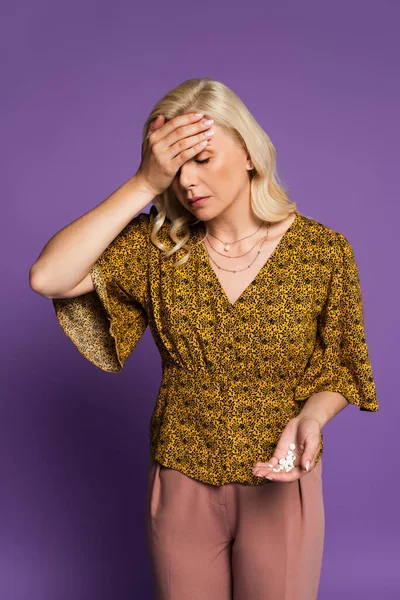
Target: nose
186, 177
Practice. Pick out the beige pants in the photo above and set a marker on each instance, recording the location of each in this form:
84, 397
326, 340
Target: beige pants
234, 542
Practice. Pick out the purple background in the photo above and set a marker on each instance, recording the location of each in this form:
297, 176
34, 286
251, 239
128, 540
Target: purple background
78, 80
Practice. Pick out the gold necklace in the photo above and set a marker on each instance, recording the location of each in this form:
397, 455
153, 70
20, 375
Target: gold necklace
227, 245
239, 255
248, 266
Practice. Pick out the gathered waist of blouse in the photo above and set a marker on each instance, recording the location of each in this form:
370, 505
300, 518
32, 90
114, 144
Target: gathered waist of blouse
235, 370
245, 383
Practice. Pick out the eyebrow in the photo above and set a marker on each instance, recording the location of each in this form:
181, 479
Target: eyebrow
207, 149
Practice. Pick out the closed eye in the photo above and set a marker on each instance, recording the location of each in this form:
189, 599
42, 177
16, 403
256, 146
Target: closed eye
200, 162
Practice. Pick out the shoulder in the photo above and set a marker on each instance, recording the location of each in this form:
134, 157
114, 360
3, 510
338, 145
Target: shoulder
140, 229
140, 226
325, 238
134, 235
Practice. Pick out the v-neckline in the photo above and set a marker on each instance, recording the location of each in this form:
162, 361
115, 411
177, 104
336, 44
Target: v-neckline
262, 270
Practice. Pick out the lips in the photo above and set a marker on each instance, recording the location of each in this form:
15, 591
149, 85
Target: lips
191, 200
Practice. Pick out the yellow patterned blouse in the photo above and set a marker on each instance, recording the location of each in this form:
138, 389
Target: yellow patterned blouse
233, 374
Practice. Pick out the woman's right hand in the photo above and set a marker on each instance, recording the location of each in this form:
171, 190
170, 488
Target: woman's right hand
168, 146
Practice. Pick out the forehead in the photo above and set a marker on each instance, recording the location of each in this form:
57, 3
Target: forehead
217, 140
220, 140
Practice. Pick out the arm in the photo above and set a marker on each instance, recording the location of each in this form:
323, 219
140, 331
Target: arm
337, 373
105, 323
340, 362
323, 406
63, 267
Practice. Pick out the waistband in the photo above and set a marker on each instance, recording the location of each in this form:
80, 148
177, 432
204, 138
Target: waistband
246, 375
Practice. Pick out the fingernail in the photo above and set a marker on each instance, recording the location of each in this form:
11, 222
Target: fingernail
270, 478
307, 465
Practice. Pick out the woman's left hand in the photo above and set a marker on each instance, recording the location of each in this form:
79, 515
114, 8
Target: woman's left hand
305, 433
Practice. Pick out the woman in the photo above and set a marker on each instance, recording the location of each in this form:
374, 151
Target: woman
257, 313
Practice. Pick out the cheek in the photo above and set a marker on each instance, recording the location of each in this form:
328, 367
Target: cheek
174, 188
229, 179
219, 173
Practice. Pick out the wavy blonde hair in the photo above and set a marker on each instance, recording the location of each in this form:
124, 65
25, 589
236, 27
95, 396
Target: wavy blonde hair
269, 197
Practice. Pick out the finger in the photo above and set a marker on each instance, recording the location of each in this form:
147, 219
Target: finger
175, 123
155, 124
311, 448
283, 476
282, 450
284, 457
310, 462
272, 462
299, 469
290, 475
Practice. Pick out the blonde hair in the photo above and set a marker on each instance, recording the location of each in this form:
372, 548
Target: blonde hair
269, 198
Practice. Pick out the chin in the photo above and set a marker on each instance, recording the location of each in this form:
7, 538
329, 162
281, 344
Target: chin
207, 215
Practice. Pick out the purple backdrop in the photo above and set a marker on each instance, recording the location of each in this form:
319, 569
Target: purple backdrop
78, 80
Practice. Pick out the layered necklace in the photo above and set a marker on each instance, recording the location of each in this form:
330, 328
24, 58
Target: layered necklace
227, 247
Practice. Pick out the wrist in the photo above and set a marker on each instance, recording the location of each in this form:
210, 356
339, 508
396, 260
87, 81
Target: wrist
323, 406
307, 417
143, 185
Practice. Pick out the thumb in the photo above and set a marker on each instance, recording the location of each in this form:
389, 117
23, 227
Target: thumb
311, 446
156, 124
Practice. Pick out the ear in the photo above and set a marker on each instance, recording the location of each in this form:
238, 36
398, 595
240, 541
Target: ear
249, 165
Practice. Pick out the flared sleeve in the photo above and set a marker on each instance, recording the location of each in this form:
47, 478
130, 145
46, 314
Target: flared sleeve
340, 360
106, 324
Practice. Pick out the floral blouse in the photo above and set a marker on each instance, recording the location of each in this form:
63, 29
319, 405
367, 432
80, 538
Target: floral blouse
233, 375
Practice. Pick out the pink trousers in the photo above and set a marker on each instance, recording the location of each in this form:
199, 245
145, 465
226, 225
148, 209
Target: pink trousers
234, 542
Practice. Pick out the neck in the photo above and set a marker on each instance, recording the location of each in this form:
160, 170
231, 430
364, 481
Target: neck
231, 228
231, 234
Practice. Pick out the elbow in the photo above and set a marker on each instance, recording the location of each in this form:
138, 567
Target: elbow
37, 282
